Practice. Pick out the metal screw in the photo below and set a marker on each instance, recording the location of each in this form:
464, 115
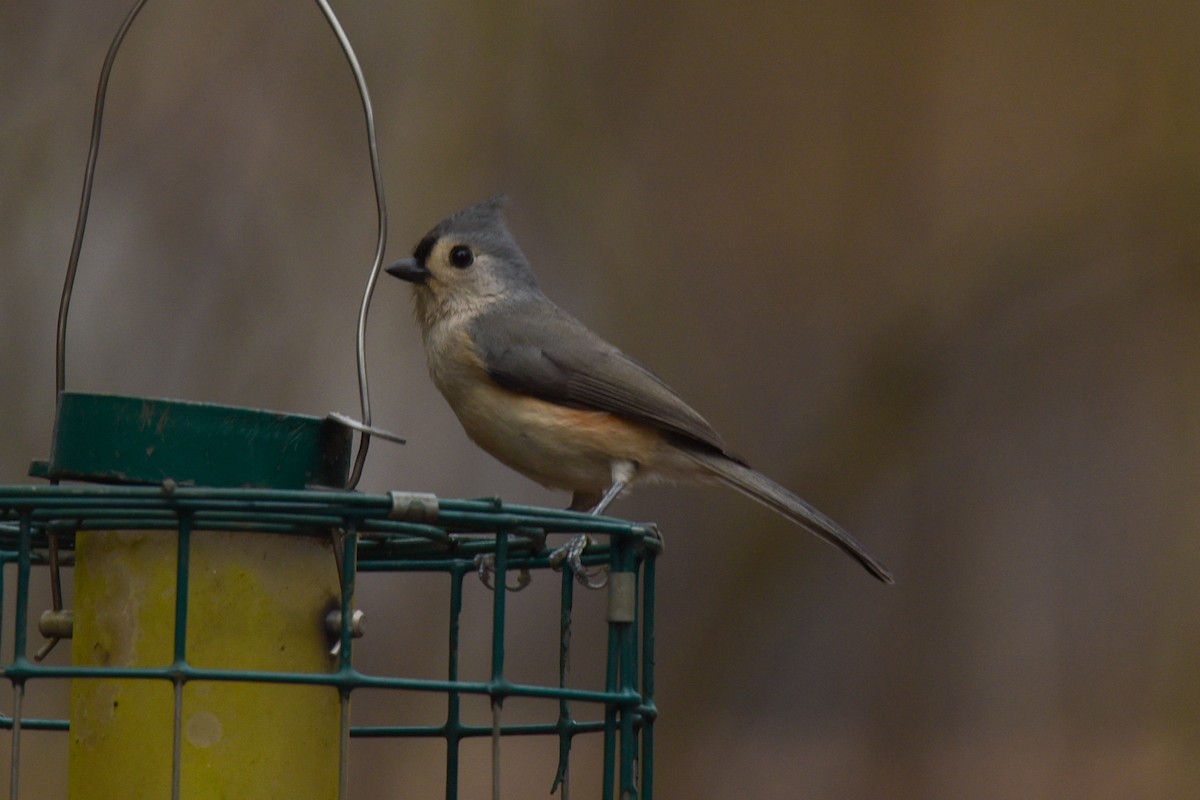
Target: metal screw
333, 626
57, 624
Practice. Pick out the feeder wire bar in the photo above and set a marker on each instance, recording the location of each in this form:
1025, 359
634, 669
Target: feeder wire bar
183, 551
499, 598
647, 710
454, 726
349, 565
19, 646
562, 777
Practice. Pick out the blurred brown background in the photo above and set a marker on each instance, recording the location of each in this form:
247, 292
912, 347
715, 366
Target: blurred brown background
936, 266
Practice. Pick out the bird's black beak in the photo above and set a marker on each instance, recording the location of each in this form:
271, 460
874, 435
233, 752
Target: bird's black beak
407, 269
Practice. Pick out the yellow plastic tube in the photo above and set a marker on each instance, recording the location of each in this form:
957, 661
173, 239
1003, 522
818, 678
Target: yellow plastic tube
256, 601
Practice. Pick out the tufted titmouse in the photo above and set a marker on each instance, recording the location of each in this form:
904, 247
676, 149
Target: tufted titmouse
546, 396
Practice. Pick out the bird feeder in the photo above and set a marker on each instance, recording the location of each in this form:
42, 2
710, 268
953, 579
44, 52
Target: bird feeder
215, 551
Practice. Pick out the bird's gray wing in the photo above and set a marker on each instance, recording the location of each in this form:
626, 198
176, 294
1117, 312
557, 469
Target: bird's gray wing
538, 349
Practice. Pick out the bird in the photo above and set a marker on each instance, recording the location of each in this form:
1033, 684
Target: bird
538, 390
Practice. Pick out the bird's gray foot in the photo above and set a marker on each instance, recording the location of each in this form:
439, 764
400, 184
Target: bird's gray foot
572, 554
485, 567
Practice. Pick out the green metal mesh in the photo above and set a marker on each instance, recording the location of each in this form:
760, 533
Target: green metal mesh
373, 541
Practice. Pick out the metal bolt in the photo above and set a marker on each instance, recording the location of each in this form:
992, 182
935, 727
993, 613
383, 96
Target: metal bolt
57, 624
358, 623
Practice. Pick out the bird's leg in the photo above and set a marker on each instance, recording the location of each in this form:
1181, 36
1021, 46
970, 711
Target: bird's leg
623, 473
614, 490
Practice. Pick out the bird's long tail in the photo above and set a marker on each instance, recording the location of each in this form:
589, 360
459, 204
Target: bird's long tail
761, 488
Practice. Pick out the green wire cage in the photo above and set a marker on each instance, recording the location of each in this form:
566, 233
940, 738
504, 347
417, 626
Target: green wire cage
397, 534
203, 560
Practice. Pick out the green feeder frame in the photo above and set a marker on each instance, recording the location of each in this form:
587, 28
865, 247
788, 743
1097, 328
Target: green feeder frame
397, 533
215, 552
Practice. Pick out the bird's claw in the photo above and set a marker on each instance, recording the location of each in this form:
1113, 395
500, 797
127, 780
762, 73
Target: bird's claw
485, 567
572, 554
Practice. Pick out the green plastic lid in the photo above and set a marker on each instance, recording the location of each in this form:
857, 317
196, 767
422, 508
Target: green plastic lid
115, 439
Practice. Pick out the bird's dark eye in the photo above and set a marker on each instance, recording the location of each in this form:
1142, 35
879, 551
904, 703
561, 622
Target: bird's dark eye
462, 257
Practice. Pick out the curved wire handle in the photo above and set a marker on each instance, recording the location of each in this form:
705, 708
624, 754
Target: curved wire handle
89, 173
364, 394
381, 212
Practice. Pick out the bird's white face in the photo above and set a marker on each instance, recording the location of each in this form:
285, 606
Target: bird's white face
466, 263
462, 277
